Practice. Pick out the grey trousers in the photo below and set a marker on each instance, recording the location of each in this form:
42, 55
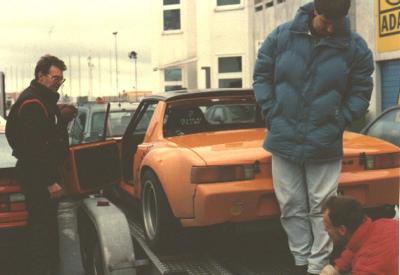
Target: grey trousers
301, 190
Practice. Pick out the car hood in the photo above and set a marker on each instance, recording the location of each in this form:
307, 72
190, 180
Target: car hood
245, 146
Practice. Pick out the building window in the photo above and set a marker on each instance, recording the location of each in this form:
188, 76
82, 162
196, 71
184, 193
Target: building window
269, 4
171, 2
169, 88
230, 83
227, 2
230, 72
258, 5
172, 15
230, 64
173, 79
173, 75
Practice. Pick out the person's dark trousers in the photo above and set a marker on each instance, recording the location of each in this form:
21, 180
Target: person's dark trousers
43, 239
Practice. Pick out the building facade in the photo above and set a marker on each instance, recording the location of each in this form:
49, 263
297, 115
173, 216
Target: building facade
214, 43
202, 44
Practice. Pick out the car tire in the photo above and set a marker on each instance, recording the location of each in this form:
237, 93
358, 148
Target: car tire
160, 225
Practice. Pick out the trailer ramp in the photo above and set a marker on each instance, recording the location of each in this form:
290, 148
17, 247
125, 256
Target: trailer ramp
190, 264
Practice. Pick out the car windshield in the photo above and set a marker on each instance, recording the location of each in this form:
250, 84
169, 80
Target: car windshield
387, 127
211, 114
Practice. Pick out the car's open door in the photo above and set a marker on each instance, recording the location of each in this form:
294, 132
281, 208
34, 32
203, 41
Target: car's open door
92, 165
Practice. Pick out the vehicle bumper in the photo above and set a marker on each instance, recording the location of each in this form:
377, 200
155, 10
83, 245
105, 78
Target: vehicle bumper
11, 220
253, 200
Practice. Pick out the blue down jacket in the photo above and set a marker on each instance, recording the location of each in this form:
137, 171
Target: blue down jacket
310, 89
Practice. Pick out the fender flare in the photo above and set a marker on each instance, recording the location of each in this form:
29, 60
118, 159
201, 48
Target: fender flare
113, 233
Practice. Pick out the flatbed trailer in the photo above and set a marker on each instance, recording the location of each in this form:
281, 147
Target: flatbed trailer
113, 243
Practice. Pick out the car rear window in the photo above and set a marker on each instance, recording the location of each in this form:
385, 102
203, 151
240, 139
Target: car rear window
211, 114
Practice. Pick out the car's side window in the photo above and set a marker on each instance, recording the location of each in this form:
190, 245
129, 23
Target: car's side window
78, 128
144, 117
97, 126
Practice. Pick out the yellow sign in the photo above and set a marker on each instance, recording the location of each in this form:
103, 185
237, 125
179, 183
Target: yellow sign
388, 37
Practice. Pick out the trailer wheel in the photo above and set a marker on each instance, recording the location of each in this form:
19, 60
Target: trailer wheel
92, 260
160, 226
86, 236
97, 259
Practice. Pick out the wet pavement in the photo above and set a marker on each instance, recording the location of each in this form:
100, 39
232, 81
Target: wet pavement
69, 240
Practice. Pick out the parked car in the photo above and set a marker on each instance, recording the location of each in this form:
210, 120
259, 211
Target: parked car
2, 123
189, 170
13, 215
89, 122
386, 126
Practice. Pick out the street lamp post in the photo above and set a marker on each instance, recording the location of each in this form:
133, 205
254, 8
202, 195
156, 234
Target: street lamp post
116, 61
90, 67
133, 55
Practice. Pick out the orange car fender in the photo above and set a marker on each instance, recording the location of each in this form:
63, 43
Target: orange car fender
173, 167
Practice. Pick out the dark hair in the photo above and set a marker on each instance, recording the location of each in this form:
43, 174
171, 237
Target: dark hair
45, 62
332, 9
345, 211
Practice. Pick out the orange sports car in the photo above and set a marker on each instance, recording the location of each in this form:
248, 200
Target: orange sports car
195, 158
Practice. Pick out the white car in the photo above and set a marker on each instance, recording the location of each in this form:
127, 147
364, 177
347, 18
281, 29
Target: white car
2, 123
88, 124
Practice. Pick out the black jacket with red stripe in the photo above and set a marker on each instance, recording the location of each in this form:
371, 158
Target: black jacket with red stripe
35, 131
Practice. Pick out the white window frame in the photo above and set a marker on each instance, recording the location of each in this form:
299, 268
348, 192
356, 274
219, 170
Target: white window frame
173, 83
259, 5
172, 7
221, 76
229, 7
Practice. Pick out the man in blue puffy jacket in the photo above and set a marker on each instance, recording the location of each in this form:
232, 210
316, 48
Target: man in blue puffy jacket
312, 78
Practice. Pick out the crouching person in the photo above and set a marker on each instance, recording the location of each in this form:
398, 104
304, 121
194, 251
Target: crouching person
370, 247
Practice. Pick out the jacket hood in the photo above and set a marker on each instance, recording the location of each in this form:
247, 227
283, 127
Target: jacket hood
301, 24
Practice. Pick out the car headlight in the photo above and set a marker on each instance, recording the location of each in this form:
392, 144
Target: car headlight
382, 161
223, 173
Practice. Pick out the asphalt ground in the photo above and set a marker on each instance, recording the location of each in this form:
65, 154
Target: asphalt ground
13, 244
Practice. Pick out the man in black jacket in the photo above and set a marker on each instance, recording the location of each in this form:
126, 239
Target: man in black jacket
37, 132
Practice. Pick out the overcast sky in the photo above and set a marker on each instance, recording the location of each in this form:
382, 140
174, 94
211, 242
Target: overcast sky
73, 28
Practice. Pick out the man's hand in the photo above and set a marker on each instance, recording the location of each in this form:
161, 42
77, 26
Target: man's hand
55, 191
68, 112
329, 270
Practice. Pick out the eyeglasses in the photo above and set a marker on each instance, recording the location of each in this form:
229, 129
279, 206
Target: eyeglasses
57, 78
